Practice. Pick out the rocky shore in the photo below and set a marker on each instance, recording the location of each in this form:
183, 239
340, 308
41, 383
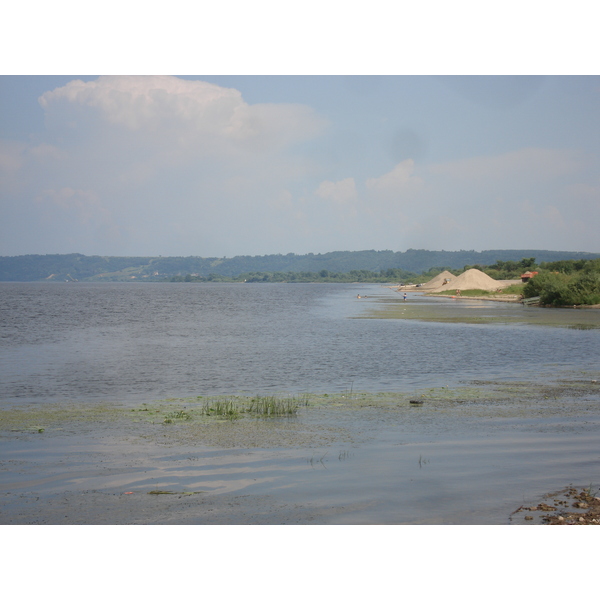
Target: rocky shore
567, 507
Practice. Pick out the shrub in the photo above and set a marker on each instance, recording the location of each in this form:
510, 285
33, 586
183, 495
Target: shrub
560, 289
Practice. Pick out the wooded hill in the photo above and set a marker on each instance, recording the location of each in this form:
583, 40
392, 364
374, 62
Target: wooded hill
78, 267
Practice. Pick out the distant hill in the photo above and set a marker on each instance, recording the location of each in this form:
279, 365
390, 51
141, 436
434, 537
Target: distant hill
61, 267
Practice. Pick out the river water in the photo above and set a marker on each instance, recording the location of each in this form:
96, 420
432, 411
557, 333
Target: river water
129, 342
132, 343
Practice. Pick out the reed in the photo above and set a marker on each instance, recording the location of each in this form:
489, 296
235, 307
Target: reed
221, 408
271, 406
260, 406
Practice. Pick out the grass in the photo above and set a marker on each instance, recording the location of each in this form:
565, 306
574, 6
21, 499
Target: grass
258, 406
221, 408
513, 290
273, 407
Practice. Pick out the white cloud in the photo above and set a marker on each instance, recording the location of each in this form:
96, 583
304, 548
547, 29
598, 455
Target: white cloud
83, 204
281, 201
395, 199
194, 115
136, 159
532, 164
399, 180
138, 101
11, 156
340, 192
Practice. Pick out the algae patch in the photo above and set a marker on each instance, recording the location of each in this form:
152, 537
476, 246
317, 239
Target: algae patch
480, 312
319, 419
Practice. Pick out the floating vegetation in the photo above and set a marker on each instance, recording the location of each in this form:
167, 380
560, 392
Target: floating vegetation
453, 311
179, 415
309, 419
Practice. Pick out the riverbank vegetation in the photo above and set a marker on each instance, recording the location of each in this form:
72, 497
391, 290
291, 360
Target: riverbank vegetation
510, 292
566, 283
558, 283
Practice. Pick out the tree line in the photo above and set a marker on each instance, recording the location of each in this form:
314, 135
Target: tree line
558, 283
332, 266
323, 276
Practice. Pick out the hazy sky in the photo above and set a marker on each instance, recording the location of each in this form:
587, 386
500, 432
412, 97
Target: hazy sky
228, 165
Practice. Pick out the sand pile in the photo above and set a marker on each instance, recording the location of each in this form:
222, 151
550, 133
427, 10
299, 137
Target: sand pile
473, 279
438, 281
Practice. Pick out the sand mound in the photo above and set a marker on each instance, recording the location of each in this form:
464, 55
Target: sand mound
473, 279
438, 281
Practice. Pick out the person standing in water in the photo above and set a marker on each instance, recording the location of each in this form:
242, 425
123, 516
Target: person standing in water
405, 296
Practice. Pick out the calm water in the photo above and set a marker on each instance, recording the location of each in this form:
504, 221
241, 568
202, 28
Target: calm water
130, 342
139, 342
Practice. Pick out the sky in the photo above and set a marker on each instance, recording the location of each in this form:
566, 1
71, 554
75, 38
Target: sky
269, 162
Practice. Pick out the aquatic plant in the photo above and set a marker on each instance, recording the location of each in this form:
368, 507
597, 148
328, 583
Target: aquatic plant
313, 460
179, 415
261, 406
273, 407
221, 408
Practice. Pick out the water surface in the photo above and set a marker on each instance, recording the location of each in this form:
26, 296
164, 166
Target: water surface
132, 343
126, 342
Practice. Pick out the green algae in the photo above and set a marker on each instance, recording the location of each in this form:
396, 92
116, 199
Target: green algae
475, 313
320, 418
42, 417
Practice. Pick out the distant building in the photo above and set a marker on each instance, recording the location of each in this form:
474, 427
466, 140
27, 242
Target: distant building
528, 275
